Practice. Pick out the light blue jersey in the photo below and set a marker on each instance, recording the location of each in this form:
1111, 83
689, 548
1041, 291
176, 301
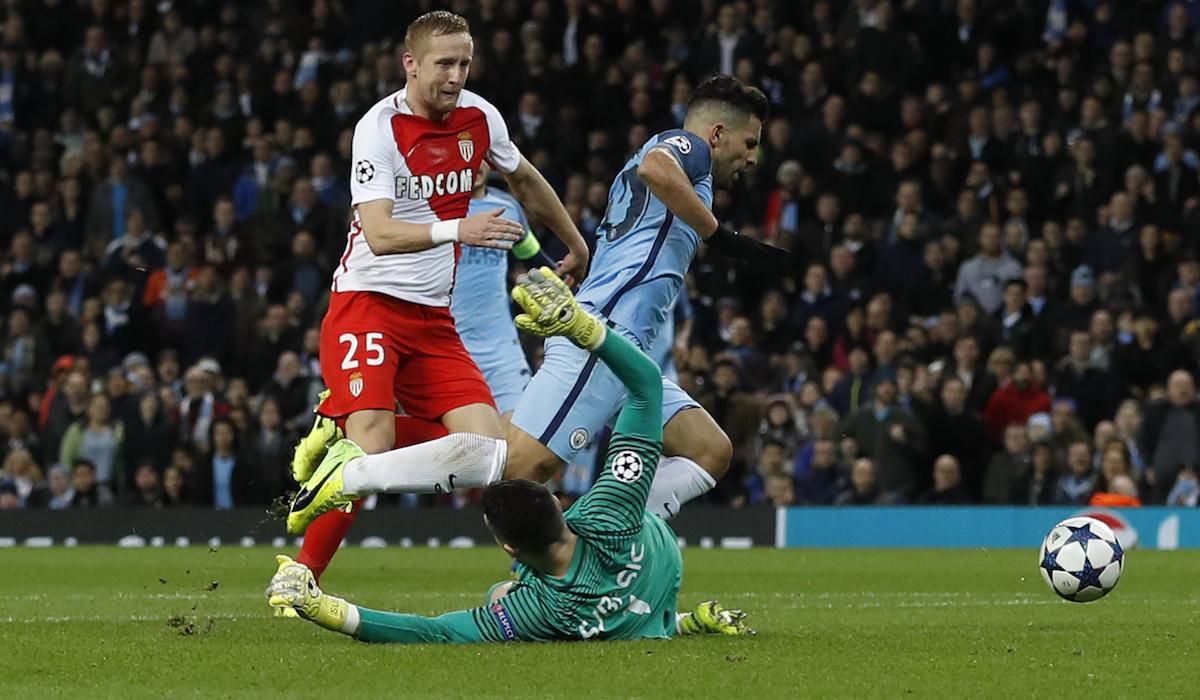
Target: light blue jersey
664, 345
642, 255
481, 308
642, 250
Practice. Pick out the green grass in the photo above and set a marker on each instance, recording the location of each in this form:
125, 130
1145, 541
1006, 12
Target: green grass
92, 622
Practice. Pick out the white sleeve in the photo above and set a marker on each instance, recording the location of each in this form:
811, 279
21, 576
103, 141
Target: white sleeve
372, 173
502, 154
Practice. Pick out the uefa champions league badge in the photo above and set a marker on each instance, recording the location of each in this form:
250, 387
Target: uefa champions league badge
627, 467
364, 171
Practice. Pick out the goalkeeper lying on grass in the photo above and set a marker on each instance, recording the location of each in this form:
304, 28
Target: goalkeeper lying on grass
606, 569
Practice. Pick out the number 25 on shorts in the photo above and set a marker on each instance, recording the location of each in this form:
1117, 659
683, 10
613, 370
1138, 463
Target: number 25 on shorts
372, 350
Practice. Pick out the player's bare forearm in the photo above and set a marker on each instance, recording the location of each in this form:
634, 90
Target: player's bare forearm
667, 181
388, 236
540, 202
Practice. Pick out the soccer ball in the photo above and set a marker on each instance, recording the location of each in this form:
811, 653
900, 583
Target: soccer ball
1081, 559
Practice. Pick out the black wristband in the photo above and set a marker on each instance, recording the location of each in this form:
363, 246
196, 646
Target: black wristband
735, 245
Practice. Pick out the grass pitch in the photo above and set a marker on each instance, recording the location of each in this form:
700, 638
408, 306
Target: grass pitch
106, 622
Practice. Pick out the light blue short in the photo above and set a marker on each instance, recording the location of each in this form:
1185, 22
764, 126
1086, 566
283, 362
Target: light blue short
574, 395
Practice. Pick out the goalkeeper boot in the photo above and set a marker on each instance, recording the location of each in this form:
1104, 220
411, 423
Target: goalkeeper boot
323, 491
551, 309
294, 588
312, 447
710, 618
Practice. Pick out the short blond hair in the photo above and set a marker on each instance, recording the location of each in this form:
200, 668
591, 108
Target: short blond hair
431, 24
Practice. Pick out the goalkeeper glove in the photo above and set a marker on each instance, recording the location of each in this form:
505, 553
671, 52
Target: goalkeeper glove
551, 309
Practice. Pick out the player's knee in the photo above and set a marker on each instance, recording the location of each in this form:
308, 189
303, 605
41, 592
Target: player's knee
528, 458
538, 468
716, 452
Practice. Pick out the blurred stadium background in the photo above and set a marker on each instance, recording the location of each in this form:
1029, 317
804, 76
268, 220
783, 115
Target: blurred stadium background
991, 207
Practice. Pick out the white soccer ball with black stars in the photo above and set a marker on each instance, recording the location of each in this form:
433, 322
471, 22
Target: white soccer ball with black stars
1081, 559
627, 467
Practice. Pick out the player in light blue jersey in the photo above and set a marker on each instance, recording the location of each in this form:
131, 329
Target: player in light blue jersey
480, 300
659, 210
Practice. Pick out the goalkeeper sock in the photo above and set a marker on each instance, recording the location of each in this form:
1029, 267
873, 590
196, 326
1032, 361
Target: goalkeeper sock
325, 535
677, 481
459, 460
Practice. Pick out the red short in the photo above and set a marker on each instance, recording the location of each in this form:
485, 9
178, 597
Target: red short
378, 352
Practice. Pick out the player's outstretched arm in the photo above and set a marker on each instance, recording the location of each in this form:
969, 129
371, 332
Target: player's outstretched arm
617, 501
388, 236
663, 174
539, 200
294, 587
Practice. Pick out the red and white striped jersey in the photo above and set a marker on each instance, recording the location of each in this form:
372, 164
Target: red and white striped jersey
426, 169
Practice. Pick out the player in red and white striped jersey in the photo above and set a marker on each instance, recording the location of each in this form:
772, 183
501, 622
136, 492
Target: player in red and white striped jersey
388, 339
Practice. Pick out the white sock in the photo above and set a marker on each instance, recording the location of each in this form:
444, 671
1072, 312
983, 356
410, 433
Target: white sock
677, 481
353, 621
459, 460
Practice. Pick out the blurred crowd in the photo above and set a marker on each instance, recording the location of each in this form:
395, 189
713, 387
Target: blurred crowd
992, 208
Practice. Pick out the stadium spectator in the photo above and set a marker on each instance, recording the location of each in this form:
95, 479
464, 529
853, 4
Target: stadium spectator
96, 439
149, 434
780, 490
146, 491
954, 431
822, 483
1015, 401
1075, 486
199, 408
1006, 470
1168, 437
863, 490
86, 492
59, 489
947, 488
1040, 482
1096, 391
22, 473
982, 277
222, 478
771, 461
892, 438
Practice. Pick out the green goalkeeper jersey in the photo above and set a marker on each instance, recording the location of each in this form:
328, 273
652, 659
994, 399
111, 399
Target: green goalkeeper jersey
624, 578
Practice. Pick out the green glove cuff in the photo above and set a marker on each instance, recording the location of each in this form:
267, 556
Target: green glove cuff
527, 247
